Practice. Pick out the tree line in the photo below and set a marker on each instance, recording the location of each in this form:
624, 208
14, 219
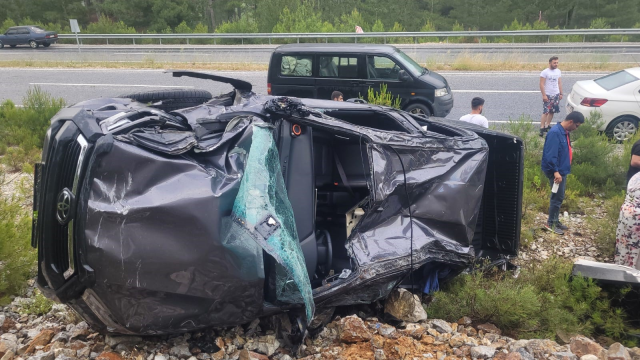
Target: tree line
171, 16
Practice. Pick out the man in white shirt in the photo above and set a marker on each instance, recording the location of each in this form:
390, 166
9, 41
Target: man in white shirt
475, 116
551, 89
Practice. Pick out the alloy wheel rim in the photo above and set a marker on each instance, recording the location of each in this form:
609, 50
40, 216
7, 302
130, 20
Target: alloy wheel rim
624, 130
32, 44
417, 111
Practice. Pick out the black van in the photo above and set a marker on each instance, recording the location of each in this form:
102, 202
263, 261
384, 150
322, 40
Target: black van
316, 70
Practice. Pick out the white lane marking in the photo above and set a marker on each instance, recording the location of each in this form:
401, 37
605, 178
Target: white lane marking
497, 91
116, 85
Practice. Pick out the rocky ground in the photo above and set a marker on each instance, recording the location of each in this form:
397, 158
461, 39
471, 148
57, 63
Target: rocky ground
61, 335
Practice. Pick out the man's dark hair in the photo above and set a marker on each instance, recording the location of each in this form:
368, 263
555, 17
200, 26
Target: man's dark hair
476, 101
575, 116
553, 58
336, 94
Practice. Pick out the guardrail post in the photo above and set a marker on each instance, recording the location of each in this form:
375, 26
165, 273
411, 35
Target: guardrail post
326, 40
214, 41
298, 39
513, 39
583, 37
134, 41
548, 39
356, 39
242, 39
160, 41
187, 41
269, 41
385, 39
107, 41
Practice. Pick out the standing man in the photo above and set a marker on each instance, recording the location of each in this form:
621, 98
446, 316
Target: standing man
337, 96
551, 89
556, 165
475, 117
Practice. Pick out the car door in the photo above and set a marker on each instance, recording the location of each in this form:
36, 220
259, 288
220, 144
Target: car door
11, 37
636, 92
340, 72
382, 69
23, 36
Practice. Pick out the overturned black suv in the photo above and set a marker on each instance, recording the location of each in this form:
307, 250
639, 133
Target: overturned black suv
166, 213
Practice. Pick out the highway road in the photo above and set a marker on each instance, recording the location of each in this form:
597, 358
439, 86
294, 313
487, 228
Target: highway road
424, 53
508, 95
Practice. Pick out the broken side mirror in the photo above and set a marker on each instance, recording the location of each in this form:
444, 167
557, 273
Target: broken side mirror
403, 76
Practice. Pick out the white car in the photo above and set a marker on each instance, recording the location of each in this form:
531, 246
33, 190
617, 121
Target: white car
615, 96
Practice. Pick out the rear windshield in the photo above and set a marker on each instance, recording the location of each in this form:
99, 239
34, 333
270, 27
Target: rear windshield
615, 80
37, 29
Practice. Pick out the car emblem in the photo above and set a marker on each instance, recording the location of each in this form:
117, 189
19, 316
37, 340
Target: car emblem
64, 206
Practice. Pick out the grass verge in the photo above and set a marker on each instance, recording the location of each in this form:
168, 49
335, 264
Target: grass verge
463, 62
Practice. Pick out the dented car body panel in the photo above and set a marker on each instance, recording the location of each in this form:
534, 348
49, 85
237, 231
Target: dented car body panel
247, 205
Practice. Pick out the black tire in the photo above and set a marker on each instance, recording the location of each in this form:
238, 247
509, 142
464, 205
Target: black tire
33, 44
171, 99
622, 129
418, 109
46, 44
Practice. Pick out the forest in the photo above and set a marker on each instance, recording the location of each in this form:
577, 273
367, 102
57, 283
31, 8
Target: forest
248, 16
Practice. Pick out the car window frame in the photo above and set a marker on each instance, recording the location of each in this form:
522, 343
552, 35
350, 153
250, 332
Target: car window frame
22, 31
313, 66
9, 30
358, 58
384, 56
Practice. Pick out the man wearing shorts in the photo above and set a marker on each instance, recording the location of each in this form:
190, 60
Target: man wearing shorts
551, 89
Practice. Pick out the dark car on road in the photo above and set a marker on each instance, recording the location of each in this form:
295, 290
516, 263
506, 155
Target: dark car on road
168, 211
316, 70
31, 35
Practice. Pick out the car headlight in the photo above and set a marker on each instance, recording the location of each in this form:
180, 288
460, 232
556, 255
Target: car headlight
441, 92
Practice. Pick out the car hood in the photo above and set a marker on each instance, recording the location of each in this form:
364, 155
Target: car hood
433, 78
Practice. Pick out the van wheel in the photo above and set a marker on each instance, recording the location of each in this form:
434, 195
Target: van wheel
418, 109
622, 129
169, 100
33, 44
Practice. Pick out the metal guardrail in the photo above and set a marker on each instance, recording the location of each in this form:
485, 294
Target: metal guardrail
438, 34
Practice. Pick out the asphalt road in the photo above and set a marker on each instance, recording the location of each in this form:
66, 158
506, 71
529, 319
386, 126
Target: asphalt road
425, 53
508, 95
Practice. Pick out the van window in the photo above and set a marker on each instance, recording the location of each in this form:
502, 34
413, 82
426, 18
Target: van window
299, 65
338, 67
382, 68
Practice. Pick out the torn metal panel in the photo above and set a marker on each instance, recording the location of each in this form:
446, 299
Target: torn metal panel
154, 237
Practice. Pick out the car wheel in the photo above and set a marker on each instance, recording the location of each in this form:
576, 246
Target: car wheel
622, 129
169, 100
418, 109
46, 44
13, 46
33, 44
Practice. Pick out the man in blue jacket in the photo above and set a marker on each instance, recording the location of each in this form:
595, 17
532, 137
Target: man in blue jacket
556, 165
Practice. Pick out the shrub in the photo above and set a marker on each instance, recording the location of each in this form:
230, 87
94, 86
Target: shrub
27, 126
105, 25
245, 24
200, 28
39, 305
18, 258
383, 97
605, 228
543, 300
7, 23
428, 27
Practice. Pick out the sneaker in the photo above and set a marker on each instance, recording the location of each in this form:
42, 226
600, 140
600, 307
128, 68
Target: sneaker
562, 226
553, 229
541, 132
547, 128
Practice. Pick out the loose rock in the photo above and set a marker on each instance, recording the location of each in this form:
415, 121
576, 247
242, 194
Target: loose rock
618, 352
352, 329
581, 346
482, 352
403, 305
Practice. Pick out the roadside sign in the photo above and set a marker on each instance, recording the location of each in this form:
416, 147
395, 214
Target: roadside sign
74, 26
75, 29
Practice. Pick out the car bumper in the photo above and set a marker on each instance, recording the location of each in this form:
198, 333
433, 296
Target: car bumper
585, 110
442, 105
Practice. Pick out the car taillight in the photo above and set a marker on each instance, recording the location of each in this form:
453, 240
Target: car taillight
269, 88
48, 36
593, 102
